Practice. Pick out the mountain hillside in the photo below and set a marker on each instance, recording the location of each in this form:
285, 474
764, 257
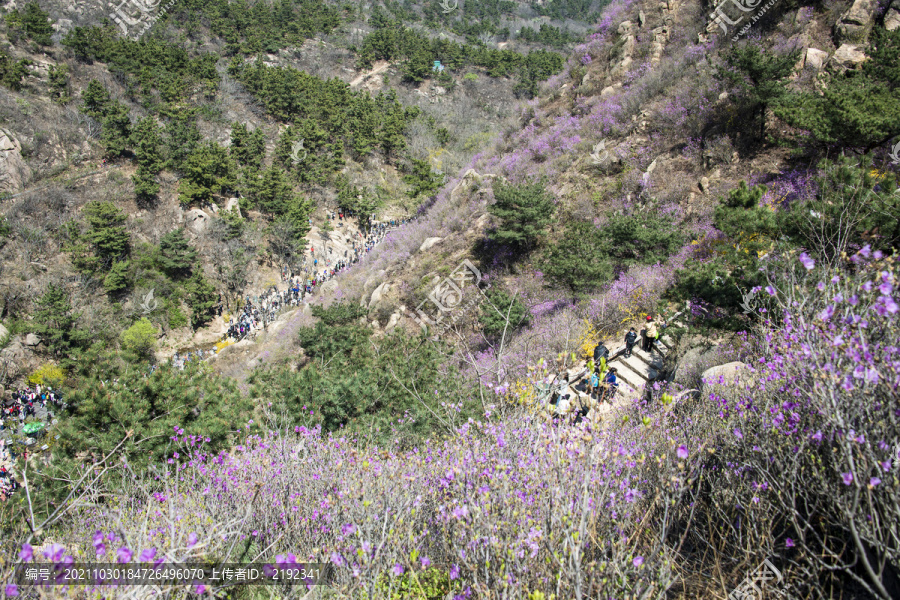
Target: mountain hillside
492, 299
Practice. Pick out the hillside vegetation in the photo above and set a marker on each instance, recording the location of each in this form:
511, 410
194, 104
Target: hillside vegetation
468, 199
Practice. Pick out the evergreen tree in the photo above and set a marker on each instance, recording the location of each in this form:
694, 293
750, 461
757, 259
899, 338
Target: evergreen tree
422, 180
176, 255
95, 100
106, 231
11, 72
856, 108
54, 321
759, 76
523, 210
118, 279
147, 143
58, 76
579, 261
32, 23
201, 297
247, 148
182, 137
116, 132
140, 338
501, 305
208, 171
146, 188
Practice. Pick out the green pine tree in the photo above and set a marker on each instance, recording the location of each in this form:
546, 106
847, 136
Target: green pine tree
580, 260
760, 78
176, 255
106, 233
523, 211
54, 321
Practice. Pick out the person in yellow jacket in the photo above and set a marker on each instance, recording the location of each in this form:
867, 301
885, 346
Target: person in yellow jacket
650, 334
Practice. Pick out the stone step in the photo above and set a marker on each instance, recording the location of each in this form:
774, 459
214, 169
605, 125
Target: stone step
638, 366
653, 359
627, 378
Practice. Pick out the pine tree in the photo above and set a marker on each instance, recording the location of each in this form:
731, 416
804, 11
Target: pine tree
579, 261
176, 255
106, 231
524, 211
856, 108
54, 321
759, 76
147, 143
201, 298
116, 131
95, 100
182, 138
58, 76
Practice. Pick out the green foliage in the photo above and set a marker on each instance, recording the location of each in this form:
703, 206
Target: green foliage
116, 131
431, 584
548, 35
248, 149
5, 228
417, 53
355, 120
579, 261
31, 23
202, 298
146, 188
95, 100
140, 338
182, 137
523, 211
58, 76
499, 308
364, 384
759, 76
54, 321
176, 255
855, 205
856, 108
151, 407
640, 238
118, 279
106, 231
361, 202
11, 72
422, 180
155, 73
146, 139
234, 223
208, 171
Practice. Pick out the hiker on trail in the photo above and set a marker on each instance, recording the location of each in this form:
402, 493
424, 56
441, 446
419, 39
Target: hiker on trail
650, 334
601, 351
595, 383
630, 340
610, 385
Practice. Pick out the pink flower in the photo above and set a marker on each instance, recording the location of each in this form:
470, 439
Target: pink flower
123, 554
397, 570
454, 572
886, 465
426, 562
682, 452
738, 434
54, 552
788, 543
200, 588
874, 482
12, 590
638, 561
27, 553
147, 555
847, 477
192, 540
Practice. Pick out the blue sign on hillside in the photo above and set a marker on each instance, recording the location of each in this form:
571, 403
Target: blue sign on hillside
438, 66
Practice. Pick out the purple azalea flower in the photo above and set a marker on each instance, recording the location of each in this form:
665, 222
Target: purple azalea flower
738, 434
827, 313
682, 452
847, 477
454, 572
817, 436
12, 590
54, 552
807, 261
821, 286
123, 554
192, 540
866, 251
770, 290
398, 570
200, 588
638, 561
788, 543
874, 481
886, 465
147, 555
426, 562
27, 553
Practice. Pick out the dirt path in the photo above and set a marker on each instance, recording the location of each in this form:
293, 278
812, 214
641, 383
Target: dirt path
378, 68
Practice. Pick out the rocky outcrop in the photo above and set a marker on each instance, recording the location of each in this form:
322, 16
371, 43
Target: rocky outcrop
429, 243
14, 173
855, 24
848, 56
197, 220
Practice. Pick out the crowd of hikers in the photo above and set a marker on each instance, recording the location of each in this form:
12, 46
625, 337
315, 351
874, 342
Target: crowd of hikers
17, 407
579, 394
260, 310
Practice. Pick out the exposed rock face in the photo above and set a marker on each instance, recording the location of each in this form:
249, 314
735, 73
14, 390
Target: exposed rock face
14, 173
197, 220
855, 24
730, 374
234, 204
428, 243
815, 59
32, 340
892, 17
848, 56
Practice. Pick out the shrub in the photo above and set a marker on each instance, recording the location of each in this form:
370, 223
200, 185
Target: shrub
501, 308
47, 374
140, 338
